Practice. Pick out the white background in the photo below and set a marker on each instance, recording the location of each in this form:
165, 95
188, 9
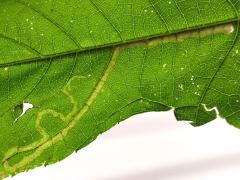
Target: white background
152, 146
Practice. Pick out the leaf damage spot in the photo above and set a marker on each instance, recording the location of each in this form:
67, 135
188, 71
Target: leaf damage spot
211, 109
24, 107
229, 29
181, 36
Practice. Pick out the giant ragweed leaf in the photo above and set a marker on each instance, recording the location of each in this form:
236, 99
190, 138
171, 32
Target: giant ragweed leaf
86, 65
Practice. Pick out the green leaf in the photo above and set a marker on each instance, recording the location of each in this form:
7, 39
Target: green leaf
86, 65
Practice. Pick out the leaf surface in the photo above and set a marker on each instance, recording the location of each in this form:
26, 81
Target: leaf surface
86, 65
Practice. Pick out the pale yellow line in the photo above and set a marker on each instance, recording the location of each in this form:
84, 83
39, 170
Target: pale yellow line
60, 136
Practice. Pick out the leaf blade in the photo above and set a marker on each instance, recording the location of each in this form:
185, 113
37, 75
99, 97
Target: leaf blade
78, 87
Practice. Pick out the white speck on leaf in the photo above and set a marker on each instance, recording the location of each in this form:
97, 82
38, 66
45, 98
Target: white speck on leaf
196, 93
181, 87
230, 29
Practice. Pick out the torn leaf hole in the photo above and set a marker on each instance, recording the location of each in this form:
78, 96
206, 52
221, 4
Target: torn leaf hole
211, 109
21, 109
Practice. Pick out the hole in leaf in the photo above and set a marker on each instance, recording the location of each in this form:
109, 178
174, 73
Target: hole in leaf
212, 109
21, 109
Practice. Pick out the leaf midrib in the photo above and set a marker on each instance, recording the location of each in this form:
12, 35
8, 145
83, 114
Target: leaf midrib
123, 43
